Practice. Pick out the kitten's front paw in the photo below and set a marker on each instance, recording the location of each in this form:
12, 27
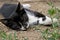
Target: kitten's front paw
23, 29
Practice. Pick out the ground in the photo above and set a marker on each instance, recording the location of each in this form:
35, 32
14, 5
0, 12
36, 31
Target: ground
32, 33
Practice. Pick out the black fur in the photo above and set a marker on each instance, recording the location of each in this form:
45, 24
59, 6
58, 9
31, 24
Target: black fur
16, 20
11, 24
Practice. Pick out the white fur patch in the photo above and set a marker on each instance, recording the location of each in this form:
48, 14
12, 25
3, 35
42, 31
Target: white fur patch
26, 6
27, 25
22, 28
46, 21
32, 18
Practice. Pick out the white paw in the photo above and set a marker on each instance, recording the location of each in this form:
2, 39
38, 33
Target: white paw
22, 28
26, 6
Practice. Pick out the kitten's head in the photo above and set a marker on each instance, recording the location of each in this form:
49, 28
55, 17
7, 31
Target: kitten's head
23, 18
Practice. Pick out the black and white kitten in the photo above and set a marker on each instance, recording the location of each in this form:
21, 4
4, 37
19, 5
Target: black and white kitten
22, 18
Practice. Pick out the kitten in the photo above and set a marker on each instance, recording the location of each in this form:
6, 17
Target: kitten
23, 18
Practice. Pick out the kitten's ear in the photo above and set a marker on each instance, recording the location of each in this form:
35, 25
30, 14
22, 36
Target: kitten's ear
19, 7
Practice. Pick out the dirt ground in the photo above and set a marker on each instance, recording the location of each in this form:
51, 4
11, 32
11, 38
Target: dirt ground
31, 33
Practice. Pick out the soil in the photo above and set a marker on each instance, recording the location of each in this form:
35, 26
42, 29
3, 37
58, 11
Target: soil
32, 33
